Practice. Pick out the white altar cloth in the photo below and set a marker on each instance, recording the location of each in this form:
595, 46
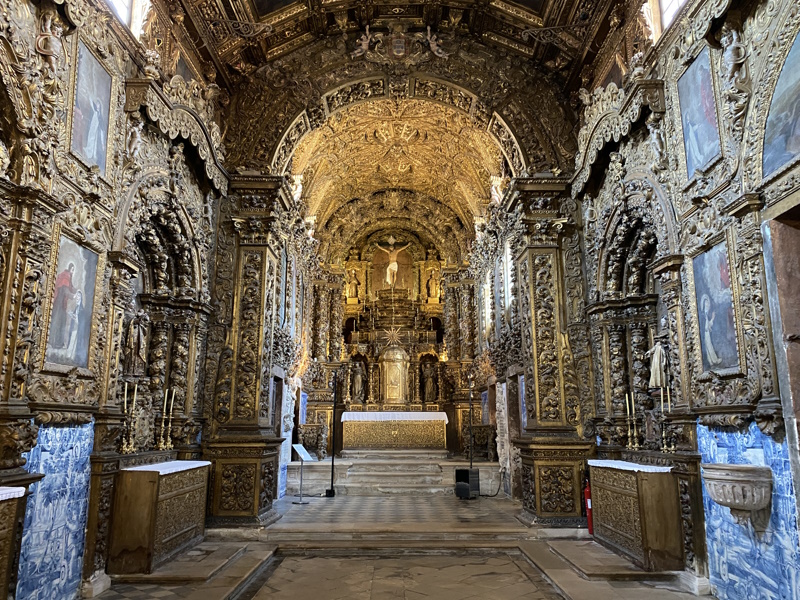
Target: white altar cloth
172, 466
7, 493
628, 466
389, 415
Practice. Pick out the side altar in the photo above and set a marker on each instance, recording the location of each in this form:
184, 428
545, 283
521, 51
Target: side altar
394, 429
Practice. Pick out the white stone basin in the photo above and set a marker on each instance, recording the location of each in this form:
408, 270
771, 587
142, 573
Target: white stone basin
745, 489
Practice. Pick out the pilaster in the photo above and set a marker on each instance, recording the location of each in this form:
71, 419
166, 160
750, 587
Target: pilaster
552, 448
244, 445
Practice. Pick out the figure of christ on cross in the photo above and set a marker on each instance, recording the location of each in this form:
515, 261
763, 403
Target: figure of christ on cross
391, 268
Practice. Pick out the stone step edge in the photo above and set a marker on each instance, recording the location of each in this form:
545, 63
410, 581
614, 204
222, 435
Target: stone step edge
159, 577
228, 584
610, 574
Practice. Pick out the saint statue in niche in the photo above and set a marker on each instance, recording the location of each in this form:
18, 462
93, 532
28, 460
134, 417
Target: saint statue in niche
658, 365
352, 284
136, 345
428, 384
391, 268
358, 383
432, 285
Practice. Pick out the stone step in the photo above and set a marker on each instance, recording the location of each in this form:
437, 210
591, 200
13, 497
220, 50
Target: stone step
385, 466
186, 569
574, 585
400, 488
222, 574
399, 455
230, 582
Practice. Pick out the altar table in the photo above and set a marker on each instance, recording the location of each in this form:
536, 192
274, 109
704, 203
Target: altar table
636, 512
393, 430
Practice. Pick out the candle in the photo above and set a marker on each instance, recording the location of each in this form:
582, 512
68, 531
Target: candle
669, 401
662, 399
627, 406
125, 399
171, 402
135, 391
164, 410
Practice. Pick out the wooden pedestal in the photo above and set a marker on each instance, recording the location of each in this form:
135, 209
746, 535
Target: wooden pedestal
159, 511
637, 514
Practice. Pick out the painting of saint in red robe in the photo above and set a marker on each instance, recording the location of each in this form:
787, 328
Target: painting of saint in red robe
71, 310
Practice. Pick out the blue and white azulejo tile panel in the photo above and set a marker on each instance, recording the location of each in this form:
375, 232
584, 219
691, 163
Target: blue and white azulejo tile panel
55, 521
742, 565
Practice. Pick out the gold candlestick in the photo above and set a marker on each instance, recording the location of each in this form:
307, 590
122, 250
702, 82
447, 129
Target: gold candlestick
628, 421
168, 445
635, 427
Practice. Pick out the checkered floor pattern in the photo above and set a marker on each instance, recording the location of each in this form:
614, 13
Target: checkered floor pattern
375, 510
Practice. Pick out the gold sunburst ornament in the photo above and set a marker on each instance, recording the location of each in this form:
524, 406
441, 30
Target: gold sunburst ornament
393, 336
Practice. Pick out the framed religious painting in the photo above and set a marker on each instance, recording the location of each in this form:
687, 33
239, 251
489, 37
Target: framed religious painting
91, 106
782, 131
716, 306
72, 293
698, 110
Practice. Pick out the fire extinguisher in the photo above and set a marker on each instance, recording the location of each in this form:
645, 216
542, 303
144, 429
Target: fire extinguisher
587, 496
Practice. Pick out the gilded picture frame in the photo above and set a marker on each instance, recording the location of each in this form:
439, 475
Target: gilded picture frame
75, 278
698, 115
714, 297
780, 148
90, 126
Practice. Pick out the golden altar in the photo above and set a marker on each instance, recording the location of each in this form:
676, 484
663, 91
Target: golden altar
394, 430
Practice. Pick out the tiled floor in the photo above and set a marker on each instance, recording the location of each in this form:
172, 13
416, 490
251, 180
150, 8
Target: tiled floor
367, 511
502, 576
452, 567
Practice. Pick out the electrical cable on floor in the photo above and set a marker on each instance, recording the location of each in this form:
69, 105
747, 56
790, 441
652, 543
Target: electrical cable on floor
499, 485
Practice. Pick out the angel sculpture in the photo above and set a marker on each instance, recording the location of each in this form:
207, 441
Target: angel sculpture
433, 42
362, 44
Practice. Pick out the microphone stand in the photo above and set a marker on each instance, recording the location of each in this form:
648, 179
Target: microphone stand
332, 492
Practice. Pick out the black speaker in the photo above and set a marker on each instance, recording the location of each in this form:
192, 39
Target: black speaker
468, 484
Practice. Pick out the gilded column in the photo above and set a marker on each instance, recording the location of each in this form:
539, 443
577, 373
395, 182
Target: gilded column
552, 451
245, 441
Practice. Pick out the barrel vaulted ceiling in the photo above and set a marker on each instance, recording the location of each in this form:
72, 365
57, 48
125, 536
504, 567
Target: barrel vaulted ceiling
411, 144
432, 105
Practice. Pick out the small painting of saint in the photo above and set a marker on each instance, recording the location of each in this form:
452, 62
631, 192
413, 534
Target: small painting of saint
782, 133
714, 297
73, 300
698, 115
91, 109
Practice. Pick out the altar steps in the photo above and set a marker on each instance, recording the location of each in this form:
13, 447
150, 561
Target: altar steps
388, 472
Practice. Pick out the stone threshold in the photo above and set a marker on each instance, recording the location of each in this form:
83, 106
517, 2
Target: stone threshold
591, 571
225, 571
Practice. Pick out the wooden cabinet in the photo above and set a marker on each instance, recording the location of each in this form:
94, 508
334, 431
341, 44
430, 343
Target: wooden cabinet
12, 501
159, 511
636, 511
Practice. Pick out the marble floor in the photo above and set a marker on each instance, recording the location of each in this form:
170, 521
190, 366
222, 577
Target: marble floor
386, 548
502, 576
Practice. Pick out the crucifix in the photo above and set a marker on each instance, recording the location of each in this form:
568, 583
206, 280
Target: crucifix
391, 268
